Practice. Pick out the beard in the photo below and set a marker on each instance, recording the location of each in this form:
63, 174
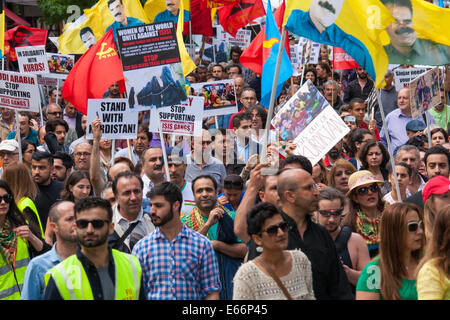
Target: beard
164, 219
102, 238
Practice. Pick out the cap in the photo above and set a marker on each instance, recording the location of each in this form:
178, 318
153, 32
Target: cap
361, 178
436, 185
415, 125
9, 145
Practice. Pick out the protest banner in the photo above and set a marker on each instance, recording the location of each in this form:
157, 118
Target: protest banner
220, 97
184, 119
60, 65
152, 66
309, 120
32, 59
46, 81
424, 92
117, 118
294, 59
342, 60
404, 76
19, 91
242, 39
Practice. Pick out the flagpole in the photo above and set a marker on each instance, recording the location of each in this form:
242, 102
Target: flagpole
272, 95
19, 140
428, 129
388, 140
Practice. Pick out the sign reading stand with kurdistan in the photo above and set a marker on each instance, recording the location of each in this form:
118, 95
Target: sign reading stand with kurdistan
309, 120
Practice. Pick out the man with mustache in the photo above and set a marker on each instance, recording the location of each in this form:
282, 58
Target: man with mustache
152, 164
117, 10
405, 47
171, 14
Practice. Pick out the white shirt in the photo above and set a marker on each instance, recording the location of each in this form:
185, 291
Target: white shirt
139, 231
188, 199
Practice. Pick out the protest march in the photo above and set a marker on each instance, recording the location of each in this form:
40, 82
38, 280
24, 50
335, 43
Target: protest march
225, 150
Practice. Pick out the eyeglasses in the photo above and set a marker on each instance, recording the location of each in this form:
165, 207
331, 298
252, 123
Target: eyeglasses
414, 226
312, 186
54, 113
96, 223
79, 154
365, 190
7, 197
327, 213
233, 185
273, 230
9, 154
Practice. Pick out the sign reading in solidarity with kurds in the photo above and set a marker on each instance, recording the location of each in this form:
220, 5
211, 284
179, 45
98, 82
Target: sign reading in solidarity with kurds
32, 59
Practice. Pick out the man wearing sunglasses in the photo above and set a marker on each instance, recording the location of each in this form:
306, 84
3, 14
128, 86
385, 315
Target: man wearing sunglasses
95, 272
351, 247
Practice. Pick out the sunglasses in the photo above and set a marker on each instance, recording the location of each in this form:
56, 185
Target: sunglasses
273, 230
7, 197
414, 226
96, 223
327, 213
365, 190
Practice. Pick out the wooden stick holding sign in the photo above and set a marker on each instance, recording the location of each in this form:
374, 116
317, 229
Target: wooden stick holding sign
163, 147
19, 140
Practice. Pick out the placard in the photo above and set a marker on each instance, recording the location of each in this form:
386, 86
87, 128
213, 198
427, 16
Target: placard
403, 77
60, 64
220, 97
118, 121
19, 91
32, 59
424, 92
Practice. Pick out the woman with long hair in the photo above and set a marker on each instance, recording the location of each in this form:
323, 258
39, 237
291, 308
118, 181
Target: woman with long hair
77, 186
339, 174
277, 273
20, 181
392, 274
18, 244
366, 208
357, 140
323, 71
310, 74
438, 137
28, 148
433, 277
320, 174
404, 173
374, 157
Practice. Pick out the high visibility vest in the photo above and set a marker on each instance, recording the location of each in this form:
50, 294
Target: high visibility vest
27, 202
73, 283
11, 281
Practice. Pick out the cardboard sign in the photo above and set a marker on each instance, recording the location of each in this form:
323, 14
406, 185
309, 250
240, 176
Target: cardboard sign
242, 39
118, 121
424, 92
19, 91
220, 97
294, 59
309, 120
32, 59
183, 119
404, 76
60, 65
152, 65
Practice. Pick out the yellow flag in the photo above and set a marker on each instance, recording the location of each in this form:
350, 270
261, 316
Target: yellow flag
133, 10
2, 31
186, 61
153, 7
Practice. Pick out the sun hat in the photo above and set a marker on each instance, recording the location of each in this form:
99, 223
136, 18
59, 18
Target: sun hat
436, 185
361, 178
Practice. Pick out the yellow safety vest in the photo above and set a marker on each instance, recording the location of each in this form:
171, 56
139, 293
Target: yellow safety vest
11, 281
73, 283
27, 202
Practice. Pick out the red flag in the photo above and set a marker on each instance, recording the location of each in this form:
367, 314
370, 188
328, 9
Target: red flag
238, 15
216, 3
252, 57
342, 60
94, 73
200, 20
23, 36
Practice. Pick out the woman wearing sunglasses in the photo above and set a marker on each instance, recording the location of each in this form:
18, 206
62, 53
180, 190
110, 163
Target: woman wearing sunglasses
366, 207
433, 278
18, 244
392, 274
276, 274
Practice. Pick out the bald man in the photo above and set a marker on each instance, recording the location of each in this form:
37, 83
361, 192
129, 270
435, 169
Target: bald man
299, 199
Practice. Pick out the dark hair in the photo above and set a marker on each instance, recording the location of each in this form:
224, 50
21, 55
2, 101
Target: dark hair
398, 3
435, 130
401, 164
365, 150
313, 71
241, 117
417, 141
93, 202
344, 108
301, 160
144, 128
14, 215
236, 49
25, 114
65, 158
169, 191
41, 155
111, 1
354, 101
357, 136
330, 193
73, 179
258, 215
218, 65
125, 174
204, 176
50, 126
26, 143
88, 29
233, 181
262, 112
233, 65
326, 67
436, 150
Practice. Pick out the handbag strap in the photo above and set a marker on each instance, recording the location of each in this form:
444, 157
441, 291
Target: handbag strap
264, 266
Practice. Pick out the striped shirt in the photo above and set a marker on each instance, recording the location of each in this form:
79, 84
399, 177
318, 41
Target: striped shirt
184, 269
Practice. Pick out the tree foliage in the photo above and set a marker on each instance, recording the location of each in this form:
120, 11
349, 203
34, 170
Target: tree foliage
55, 11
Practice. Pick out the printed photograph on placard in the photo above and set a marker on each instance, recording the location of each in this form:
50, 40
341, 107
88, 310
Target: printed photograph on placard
424, 92
60, 63
220, 96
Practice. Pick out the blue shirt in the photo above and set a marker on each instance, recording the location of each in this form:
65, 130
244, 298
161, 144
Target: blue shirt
32, 136
33, 284
182, 269
167, 16
131, 22
396, 122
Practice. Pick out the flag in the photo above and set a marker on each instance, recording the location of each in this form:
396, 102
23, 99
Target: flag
201, 22
271, 46
235, 16
22, 36
88, 79
441, 4
357, 26
252, 57
186, 60
2, 31
210, 4
341, 60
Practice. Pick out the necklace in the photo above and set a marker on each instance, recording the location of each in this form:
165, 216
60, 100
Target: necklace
367, 227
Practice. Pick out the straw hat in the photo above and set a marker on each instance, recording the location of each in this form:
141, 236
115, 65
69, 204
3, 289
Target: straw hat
362, 178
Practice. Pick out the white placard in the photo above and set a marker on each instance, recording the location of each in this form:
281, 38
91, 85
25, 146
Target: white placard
32, 59
220, 97
404, 76
19, 91
118, 121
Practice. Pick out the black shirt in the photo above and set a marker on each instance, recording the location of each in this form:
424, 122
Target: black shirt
46, 197
353, 90
329, 279
52, 292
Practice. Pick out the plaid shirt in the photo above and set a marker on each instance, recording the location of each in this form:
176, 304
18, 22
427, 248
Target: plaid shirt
184, 269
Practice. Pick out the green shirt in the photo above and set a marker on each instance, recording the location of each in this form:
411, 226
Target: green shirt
439, 117
369, 281
423, 51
